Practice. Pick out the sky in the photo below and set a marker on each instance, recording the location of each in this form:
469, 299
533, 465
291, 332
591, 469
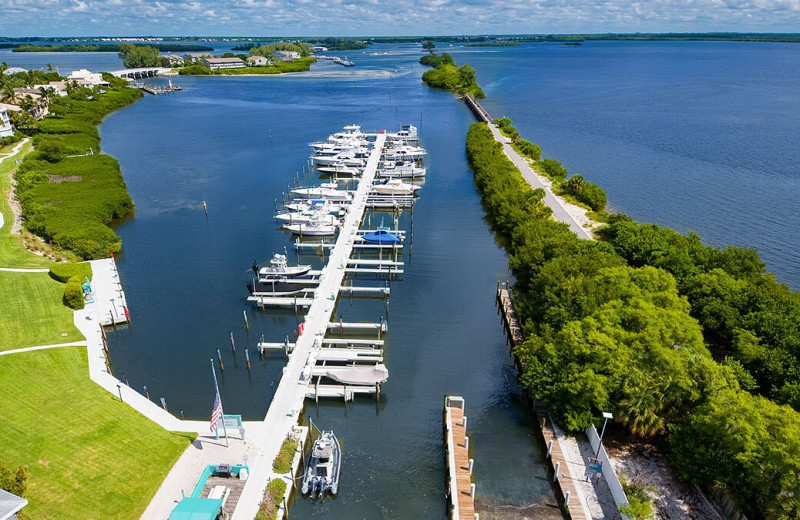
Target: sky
389, 17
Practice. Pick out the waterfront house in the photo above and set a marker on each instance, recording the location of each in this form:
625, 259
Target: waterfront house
287, 55
319, 48
13, 70
258, 61
88, 79
173, 59
223, 63
6, 130
38, 103
194, 57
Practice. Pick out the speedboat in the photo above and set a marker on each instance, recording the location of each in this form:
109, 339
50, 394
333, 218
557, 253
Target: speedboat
304, 217
313, 228
340, 168
316, 204
395, 187
382, 235
322, 192
401, 170
323, 466
407, 134
279, 268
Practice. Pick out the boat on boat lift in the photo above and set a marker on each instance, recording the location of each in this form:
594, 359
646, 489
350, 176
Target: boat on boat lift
407, 134
279, 268
401, 170
316, 204
395, 187
383, 235
323, 466
313, 228
300, 217
323, 192
340, 168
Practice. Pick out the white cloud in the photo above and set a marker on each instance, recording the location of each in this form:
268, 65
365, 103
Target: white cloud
390, 17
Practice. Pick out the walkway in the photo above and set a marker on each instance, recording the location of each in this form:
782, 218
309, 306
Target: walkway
534, 179
461, 492
42, 347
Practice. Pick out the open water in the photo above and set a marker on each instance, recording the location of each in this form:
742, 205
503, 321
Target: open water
693, 135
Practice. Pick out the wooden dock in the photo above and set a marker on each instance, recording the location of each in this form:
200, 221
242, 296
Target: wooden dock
559, 468
460, 489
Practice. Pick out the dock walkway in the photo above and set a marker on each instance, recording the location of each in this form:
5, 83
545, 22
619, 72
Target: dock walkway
461, 490
564, 472
287, 403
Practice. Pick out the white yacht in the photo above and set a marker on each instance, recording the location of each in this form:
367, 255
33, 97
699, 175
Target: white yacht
395, 187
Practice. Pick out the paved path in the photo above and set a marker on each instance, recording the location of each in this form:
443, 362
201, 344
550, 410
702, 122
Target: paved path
21, 270
559, 211
42, 347
14, 152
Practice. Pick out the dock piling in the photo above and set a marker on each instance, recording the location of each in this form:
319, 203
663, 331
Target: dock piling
246, 323
219, 357
233, 343
205, 208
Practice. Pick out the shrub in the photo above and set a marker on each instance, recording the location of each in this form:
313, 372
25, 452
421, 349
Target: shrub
553, 169
640, 505
268, 510
588, 193
529, 149
13, 480
73, 293
62, 272
283, 462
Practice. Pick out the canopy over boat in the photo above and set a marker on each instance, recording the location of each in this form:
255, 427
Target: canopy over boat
381, 236
359, 375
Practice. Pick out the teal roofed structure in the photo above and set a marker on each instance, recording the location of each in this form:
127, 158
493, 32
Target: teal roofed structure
194, 508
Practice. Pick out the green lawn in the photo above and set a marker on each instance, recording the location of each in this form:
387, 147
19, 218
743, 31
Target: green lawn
33, 312
87, 454
12, 252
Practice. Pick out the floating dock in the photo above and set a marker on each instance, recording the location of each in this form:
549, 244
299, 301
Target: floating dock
109, 297
460, 488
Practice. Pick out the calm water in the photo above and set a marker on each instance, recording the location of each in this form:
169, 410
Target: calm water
698, 136
236, 143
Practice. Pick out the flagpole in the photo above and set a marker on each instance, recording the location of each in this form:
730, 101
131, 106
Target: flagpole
216, 387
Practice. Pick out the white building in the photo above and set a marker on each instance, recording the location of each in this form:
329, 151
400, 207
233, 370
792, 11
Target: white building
174, 60
86, 78
287, 55
6, 130
258, 61
223, 63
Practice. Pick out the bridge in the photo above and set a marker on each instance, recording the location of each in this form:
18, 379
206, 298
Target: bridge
144, 72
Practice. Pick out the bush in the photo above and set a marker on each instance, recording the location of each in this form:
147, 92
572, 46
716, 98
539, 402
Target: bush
283, 462
553, 169
640, 505
446, 75
268, 510
73, 293
588, 193
62, 272
13, 480
529, 149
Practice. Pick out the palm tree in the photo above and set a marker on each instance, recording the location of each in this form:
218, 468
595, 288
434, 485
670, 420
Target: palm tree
7, 93
641, 408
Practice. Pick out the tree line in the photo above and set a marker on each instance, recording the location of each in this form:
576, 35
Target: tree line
616, 325
447, 75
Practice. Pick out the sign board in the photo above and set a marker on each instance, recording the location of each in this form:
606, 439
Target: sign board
595, 465
232, 424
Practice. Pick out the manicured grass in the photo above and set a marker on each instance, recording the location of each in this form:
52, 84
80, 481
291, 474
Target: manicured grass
33, 312
12, 252
87, 454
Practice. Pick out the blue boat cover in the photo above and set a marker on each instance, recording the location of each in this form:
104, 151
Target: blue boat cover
381, 236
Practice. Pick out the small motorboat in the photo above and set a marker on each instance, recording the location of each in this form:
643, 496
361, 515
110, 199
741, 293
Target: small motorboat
278, 286
340, 168
381, 236
401, 170
304, 217
323, 466
316, 204
321, 192
279, 268
395, 187
313, 228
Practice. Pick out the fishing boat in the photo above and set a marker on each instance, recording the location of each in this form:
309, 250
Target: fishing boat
340, 168
304, 217
395, 187
313, 228
401, 170
280, 268
315, 204
323, 466
382, 235
407, 133
278, 286
322, 192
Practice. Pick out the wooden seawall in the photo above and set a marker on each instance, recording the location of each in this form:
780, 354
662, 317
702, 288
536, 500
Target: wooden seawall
460, 489
558, 467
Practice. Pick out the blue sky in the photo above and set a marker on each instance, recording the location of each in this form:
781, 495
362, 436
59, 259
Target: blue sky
389, 17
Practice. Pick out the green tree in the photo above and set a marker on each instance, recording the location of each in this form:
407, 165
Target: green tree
138, 56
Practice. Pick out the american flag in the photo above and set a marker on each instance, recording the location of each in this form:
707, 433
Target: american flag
216, 413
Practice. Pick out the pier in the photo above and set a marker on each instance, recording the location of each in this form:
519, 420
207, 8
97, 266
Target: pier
561, 470
460, 488
296, 383
156, 90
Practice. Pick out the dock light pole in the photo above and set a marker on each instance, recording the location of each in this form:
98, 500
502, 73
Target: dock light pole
606, 416
119, 389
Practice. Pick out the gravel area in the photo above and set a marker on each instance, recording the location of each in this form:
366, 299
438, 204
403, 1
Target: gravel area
646, 465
